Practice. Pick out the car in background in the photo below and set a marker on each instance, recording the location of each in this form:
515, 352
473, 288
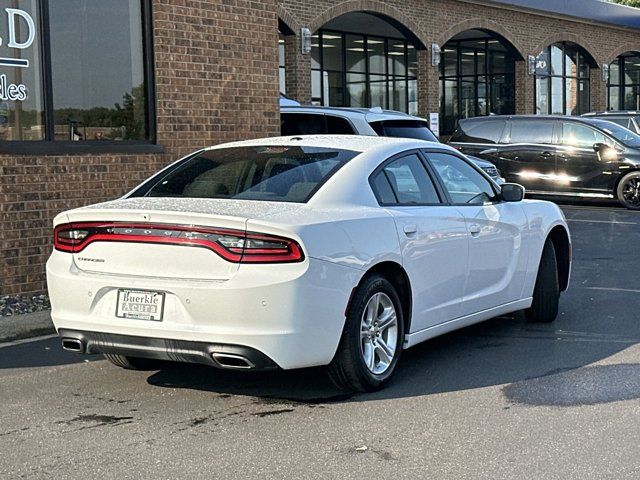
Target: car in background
625, 118
315, 120
295, 252
287, 102
559, 156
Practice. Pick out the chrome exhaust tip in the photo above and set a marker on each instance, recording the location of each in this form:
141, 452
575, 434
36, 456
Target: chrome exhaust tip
230, 360
72, 345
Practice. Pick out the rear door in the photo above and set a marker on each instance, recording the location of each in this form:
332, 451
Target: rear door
497, 265
579, 166
432, 235
529, 155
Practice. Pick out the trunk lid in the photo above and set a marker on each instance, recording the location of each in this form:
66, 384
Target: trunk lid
137, 225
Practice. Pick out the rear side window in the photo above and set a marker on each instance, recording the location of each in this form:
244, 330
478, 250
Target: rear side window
270, 173
532, 131
404, 129
338, 126
487, 131
301, 124
405, 181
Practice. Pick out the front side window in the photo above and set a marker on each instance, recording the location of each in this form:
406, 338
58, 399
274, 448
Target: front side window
405, 181
580, 136
270, 173
562, 80
86, 81
466, 186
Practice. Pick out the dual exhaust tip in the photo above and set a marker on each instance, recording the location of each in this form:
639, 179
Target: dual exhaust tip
224, 360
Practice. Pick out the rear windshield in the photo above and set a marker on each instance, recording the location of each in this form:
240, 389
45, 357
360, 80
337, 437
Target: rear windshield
270, 173
404, 129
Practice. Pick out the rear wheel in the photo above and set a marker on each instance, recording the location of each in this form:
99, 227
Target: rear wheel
132, 363
628, 191
546, 295
372, 339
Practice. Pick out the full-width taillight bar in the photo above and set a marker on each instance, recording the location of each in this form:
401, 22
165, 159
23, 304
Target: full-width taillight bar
233, 245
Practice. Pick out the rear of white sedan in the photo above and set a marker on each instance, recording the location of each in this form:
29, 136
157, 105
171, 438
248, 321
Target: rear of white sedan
299, 252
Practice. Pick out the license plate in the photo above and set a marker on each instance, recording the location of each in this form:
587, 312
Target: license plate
140, 304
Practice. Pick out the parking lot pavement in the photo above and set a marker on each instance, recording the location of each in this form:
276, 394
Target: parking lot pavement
498, 400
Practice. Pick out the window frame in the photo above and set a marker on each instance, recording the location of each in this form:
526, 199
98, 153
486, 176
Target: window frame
430, 174
497, 197
51, 146
582, 56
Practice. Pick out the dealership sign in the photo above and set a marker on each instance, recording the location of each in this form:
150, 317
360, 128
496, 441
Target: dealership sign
8, 90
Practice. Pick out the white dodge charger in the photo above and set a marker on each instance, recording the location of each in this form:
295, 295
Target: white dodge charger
295, 252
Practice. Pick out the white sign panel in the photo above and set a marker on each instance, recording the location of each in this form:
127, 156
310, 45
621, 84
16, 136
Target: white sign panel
434, 123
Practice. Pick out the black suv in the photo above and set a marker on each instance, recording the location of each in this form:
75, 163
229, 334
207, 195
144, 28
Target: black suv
626, 118
576, 156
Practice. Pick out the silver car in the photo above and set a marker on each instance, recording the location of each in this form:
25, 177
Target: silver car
313, 120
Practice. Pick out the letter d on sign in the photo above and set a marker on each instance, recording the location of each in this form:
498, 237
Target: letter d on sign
13, 41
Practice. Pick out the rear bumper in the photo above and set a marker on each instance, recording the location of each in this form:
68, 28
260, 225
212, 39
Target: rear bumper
292, 314
233, 357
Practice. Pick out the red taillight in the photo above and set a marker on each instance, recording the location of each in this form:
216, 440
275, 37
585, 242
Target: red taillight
232, 245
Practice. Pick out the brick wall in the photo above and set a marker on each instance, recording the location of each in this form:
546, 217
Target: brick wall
216, 73
436, 21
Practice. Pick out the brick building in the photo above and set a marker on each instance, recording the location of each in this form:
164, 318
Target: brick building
96, 95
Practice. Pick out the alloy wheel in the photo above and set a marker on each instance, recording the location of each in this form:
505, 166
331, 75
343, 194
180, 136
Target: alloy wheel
631, 192
379, 333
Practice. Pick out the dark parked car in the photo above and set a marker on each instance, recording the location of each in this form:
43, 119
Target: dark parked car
626, 118
576, 156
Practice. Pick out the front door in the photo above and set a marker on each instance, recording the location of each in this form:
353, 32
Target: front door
433, 239
580, 168
497, 263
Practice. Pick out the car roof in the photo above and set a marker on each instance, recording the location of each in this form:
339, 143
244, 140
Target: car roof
525, 117
613, 113
356, 143
375, 114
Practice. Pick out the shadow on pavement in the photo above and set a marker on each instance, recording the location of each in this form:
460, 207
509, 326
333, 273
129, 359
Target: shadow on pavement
41, 353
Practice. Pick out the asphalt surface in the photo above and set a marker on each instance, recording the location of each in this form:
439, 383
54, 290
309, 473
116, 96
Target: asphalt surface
503, 399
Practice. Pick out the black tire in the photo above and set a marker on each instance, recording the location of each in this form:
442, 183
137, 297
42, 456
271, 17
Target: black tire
348, 370
628, 191
546, 294
133, 363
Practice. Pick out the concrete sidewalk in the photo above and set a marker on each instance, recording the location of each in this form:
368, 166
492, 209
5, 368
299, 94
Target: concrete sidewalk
26, 325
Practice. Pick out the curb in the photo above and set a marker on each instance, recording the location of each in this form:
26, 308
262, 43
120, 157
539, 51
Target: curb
26, 325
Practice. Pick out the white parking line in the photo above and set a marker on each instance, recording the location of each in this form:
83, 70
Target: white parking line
614, 289
600, 221
27, 340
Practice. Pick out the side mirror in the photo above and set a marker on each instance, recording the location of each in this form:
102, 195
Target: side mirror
606, 153
512, 192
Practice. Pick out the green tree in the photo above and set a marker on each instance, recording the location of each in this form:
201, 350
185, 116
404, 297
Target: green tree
631, 3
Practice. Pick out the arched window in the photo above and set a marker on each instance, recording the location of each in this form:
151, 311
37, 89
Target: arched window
624, 82
477, 77
359, 60
563, 71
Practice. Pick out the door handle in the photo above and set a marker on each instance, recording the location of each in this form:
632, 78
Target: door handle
546, 154
410, 229
474, 229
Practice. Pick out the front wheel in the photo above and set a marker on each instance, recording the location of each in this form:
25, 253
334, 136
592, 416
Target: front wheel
372, 339
628, 191
546, 294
